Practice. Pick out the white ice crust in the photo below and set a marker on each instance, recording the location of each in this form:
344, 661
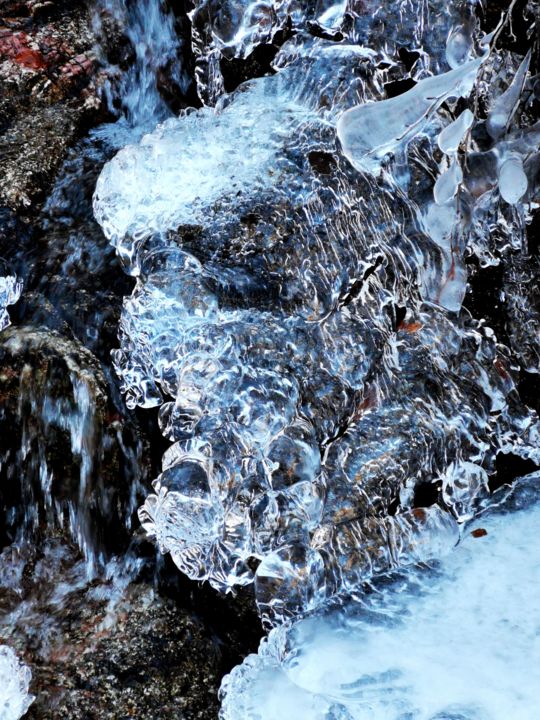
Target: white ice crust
14, 684
459, 642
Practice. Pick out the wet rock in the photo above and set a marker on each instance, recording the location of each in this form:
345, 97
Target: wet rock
156, 662
49, 88
68, 459
113, 646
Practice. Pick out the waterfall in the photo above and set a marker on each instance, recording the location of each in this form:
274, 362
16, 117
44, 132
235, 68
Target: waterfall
154, 53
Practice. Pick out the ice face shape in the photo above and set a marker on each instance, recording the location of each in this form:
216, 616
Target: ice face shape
298, 322
457, 641
14, 684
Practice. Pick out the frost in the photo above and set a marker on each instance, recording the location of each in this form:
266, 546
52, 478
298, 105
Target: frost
14, 685
455, 641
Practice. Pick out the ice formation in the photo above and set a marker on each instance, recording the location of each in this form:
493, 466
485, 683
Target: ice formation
10, 292
14, 685
200, 161
300, 258
458, 640
370, 131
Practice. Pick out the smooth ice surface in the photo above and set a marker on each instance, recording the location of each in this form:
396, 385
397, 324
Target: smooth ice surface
512, 179
448, 182
369, 132
459, 641
450, 138
14, 684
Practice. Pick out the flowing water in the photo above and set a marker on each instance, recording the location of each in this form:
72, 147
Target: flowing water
334, 404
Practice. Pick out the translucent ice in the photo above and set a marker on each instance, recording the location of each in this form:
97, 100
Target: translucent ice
505, 105
460, 43
14, 685
457, 641
512, 179
369, 132
448, 183
297, 317
450, 138
10, 291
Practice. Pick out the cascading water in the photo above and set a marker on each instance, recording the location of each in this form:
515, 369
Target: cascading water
70, 465
154, 60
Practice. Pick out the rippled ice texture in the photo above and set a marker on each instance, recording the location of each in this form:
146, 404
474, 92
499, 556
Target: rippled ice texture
14, 683
298, 313
456, 642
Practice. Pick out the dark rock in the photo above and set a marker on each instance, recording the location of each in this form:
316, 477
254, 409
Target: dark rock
69, 459
49, 88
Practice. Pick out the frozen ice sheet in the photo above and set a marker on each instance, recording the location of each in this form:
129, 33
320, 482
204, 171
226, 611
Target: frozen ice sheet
457, 641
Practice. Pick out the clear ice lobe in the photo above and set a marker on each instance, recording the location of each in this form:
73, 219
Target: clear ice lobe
512, 179
14, 685
450, 138
458, 640
10, 292
369, 132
